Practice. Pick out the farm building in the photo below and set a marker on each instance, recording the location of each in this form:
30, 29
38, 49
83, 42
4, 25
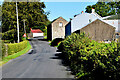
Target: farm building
56, 29
99, 30
36, 33
81, 20
114, 20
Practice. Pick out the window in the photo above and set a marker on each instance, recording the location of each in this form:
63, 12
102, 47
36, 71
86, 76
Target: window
90, 20
60, 24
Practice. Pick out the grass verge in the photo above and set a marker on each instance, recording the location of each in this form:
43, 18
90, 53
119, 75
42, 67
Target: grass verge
13, 56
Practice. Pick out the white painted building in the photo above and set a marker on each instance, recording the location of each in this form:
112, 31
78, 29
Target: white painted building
36, 33
116, 23
81, 20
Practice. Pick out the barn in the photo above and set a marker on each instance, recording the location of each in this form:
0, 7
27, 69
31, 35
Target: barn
114, 20
56, 29
99, 30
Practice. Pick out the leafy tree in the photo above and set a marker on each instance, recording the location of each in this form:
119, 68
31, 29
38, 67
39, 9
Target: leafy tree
104, 8
32, 12
89, 9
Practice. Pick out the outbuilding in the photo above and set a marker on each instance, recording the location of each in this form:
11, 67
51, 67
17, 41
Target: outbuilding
99, 30
56, 29
36, 33
80, 20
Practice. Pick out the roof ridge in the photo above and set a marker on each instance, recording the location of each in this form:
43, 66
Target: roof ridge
58, 18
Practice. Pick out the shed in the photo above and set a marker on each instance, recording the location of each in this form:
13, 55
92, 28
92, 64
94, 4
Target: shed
36, 33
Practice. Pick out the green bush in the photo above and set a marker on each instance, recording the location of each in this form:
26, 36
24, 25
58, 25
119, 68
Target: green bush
16, 47
90, 60
56, 41
119, 47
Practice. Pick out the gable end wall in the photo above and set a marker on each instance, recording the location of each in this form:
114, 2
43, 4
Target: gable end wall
99, 31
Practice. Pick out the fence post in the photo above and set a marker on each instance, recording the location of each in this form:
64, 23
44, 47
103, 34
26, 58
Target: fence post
6, 50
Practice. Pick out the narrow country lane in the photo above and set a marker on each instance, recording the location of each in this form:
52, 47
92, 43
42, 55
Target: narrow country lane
41, 63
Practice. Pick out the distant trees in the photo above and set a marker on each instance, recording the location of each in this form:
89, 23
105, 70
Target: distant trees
32, 12
104, 8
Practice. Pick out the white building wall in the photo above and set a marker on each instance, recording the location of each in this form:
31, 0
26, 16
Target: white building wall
38, 34
116, 24
81, 20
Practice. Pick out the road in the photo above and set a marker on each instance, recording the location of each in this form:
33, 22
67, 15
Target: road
41, 63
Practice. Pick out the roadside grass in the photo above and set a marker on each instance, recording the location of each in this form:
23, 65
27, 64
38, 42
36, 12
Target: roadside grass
45, 37
10, 57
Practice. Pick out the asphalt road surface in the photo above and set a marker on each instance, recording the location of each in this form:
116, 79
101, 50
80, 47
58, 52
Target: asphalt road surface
40, 63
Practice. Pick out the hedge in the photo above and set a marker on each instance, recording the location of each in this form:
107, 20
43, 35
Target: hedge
16, 47
90, 60
2, 49
11, 36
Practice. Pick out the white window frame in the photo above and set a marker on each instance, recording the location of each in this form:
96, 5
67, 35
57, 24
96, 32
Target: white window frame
60, 24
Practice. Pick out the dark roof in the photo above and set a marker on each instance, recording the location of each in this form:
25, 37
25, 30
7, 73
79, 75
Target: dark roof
55, 20
113, 17
36, 31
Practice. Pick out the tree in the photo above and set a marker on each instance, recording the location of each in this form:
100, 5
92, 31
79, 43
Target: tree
104, 8
89, 9
0, 12
33, 12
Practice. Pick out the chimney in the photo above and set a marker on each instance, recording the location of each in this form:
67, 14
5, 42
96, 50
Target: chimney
93, 10
70, 19
82, 12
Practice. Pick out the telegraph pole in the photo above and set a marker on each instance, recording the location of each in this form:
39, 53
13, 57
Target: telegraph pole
24, 27
17, 22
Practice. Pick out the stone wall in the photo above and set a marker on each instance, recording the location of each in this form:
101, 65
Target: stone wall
57, 30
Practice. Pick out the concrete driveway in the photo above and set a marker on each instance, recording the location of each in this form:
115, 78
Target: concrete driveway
41, 63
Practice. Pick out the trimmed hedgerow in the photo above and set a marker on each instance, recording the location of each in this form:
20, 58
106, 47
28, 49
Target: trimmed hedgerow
16, 47
90, 60
2, 49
